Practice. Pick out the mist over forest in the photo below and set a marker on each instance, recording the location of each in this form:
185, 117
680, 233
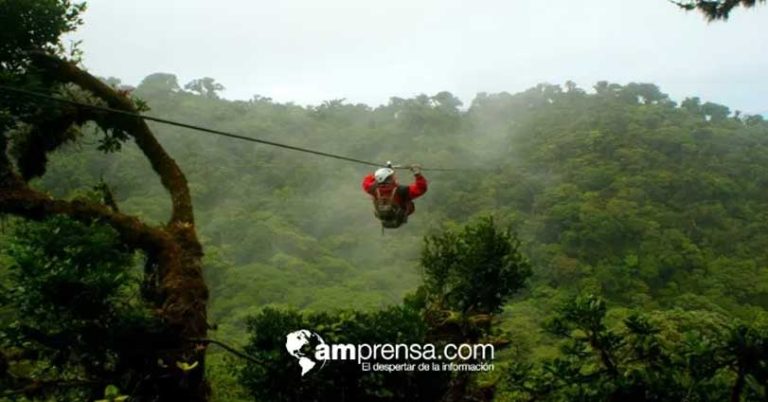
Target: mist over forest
608, 240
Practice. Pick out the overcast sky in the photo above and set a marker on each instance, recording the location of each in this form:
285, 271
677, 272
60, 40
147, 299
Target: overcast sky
307, 51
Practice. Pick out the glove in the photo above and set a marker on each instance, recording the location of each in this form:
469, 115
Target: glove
415, 168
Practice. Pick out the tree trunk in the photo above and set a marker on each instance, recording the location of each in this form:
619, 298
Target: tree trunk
184, 310
738, 386
174, 367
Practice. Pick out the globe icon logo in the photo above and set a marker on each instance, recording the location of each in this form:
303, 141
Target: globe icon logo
301, 345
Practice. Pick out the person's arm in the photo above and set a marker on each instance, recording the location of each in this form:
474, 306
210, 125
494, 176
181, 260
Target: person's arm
419, 185
368, 182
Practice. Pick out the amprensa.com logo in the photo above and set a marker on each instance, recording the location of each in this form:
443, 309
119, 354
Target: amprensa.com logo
309, 349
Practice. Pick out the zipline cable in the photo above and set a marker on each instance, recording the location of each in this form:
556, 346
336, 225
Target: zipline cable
33, 94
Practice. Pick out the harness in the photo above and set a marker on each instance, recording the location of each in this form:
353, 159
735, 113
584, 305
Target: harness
390, 213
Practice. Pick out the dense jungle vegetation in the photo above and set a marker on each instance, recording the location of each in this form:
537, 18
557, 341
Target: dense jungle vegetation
610, 238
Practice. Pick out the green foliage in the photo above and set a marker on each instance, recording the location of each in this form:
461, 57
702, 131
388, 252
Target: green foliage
657, 207
112, 394
34, 25
206, 86
716, 9
63, 267
72, 294
500, 269
643, 359
159, 84
476, 269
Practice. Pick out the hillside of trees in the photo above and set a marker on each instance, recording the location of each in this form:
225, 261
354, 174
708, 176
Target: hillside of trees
656, 207
610, 239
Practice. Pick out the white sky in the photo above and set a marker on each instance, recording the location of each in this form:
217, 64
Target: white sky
307, 51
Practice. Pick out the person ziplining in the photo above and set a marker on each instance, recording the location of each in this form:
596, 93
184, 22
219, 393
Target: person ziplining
392, 202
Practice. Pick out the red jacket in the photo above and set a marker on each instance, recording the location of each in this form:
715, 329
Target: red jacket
415, 189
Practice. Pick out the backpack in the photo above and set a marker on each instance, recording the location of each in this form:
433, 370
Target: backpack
387, 210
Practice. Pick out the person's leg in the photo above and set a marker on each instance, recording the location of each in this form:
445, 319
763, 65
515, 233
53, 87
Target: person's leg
410, 207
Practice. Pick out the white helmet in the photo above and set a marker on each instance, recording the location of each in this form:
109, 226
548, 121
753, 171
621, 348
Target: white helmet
383, 174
